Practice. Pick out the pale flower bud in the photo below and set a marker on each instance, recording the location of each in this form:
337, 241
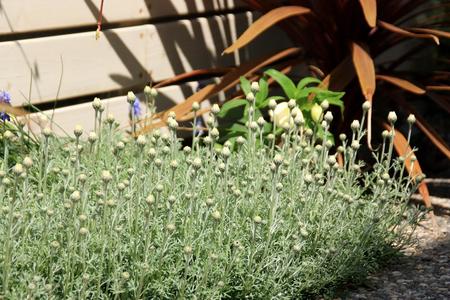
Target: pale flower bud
97, 103
195, 106
366, 106
226, 152
392, 117
281, 115
254, 87
316, 113
292, 103
272, 104
215, 109
355, 125
214, 132
18, 169
78, 131
325, 104
261, 121
131, 97
27, 162
92, 137
328, 117
250, 97
411, 119
141, 141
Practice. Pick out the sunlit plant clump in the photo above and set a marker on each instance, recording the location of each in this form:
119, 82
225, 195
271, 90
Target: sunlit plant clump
104, 216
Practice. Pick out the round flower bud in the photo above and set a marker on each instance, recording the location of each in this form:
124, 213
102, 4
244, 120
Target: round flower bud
170, 227
173, 164
207, 140
75, 196
250, 97
411, 119
240, 140
291, 103
316, 113
254, 87
257, 219
150, 199
366, 106
342, 137
214, 132
141, 140
215, 109
187, 250
47, 132
197, 163
125, 276
261, 121
328, 144
272, 104
110, 119
355, 145
253, 126
18, 169
385, 176
278, 159
78, 131
226, 152
385, 134
216, 215
153, 92
308, 178
27, 162
159, 188
392, 117
340, 149
97, 103
325, 104
131, 97
106, 176
271, 137
328, 117
195, 106
84, 231
147, 90
355, 125
296, 248
209, 202
92, 137
331, 160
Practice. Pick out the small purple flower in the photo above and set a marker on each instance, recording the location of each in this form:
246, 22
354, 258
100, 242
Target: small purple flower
5, 97
137, 107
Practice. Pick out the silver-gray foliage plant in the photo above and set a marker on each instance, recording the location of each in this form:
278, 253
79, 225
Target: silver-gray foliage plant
107, 216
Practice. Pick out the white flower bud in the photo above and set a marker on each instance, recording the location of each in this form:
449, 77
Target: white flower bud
131, 97
46, 132
214, 132
411, 119
250, 97
253, 126
240, 140
272, 104
325, 104
97, 103
215, 109
216, 215
27, 162
291, 103
254, 87
316, 113
207, 140
355, 125
141, 140
172, 124
78, 131
392, 117
18, 169
278, 159
106, 176
328, 117
226, 152
92, 137
195, 106
355, 145
75, 196
153, 92
366, 106
261, 121
257, 219
197, 163
110, 119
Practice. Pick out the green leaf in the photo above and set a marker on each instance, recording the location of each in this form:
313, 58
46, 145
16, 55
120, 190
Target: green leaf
232, 107
307, 80
286, 84
245, 85
265, 103
263, 91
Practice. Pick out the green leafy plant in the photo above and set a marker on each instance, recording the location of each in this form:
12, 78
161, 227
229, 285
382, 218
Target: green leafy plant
306, 93
100, 215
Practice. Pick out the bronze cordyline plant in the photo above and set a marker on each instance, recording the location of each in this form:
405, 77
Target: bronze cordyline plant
349, 45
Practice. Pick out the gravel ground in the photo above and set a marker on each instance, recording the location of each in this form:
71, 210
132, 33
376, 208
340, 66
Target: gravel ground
424, 271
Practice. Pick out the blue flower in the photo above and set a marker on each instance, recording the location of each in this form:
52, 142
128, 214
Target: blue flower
137, 107
5, 97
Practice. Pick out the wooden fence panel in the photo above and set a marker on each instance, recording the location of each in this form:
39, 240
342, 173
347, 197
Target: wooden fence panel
123, 57
19, 16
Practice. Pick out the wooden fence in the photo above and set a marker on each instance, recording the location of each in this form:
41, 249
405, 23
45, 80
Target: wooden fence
49, 55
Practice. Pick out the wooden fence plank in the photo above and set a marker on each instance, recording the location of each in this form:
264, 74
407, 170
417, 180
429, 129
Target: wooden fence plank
123, 57
66, 118
18, 16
